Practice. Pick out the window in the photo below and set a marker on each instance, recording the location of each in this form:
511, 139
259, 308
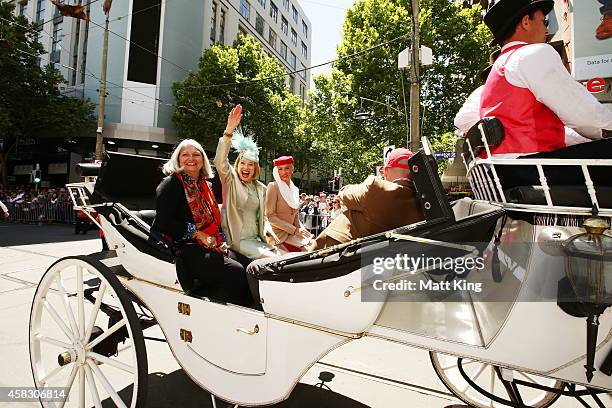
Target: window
57, 33
242, 30
213, 23
40, 11
263, 3
302, 90
245, 9
291, 83
302, 71
305, 29
222, 26
274, 12
286, 4
292, 60
259, 24
284, 25
144, 36
283, 50
293, 37
294, 13
304, 50
272, 38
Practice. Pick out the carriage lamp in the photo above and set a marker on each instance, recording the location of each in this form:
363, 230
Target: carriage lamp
589, 270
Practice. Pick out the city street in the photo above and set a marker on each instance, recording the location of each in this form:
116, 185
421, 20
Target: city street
27, 250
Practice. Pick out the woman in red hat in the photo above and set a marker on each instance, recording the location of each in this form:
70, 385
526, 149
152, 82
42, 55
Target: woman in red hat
283, 209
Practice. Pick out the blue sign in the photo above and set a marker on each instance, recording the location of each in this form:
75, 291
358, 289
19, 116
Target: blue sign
444, 155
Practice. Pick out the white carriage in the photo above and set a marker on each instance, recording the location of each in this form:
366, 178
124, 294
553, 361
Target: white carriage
510, 344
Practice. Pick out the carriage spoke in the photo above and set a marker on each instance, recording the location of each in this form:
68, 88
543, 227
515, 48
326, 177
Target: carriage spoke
80, 302
55, 342
492, 379
82, 387
107, 386
58, 320
529, 378
91, 383
69, 384
107, 333
455, 365
94, 312
114, 363
52, 374
66, 303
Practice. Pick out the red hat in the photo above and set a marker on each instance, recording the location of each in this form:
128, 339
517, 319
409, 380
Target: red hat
283, 160
397, 156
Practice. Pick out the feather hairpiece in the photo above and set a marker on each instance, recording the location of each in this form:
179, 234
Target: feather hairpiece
245, 145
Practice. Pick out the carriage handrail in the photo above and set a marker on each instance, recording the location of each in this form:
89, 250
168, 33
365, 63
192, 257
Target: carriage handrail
411, 238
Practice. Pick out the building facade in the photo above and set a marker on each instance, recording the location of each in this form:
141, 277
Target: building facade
140, 103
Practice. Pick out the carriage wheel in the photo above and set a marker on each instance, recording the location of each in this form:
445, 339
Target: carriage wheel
85, 336
488, 378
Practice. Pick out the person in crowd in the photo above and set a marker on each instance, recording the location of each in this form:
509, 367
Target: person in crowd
188, 214
282, 209
376, 205
5, 210
311, 218
243, 213
336, 209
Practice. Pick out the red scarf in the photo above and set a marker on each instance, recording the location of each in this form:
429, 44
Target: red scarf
203, 206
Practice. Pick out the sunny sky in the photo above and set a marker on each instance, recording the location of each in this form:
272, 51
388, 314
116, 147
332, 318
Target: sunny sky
326, 18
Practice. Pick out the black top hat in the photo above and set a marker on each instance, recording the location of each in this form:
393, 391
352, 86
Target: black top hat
503, 14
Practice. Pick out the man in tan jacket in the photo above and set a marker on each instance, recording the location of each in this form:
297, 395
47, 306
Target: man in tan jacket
375, 205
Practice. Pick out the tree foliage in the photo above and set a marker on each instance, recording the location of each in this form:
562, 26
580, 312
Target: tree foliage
228, 76
368, 69
31, 105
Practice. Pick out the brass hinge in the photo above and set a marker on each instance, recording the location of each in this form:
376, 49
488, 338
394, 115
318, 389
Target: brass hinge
186, 336
184, 308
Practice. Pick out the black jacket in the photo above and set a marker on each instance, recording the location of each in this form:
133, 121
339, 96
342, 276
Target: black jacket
172, 211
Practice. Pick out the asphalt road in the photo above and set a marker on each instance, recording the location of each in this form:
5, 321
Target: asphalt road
26, 251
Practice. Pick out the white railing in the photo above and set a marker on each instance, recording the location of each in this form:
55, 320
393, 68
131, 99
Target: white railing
486, 184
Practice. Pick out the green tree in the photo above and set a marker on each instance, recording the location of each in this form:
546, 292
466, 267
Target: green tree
31, 105
459, 43
228, 76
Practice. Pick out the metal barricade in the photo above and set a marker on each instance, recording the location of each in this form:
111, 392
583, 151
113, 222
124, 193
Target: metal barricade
41, 212
315, 223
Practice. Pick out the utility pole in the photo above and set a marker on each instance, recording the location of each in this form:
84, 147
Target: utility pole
415, 129
102, 97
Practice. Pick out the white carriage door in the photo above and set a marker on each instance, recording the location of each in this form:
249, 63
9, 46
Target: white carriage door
231, 338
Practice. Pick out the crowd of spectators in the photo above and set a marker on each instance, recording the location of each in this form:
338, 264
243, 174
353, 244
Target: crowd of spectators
25, 204
317, 211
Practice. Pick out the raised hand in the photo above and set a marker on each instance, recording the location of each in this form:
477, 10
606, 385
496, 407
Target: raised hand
233, 120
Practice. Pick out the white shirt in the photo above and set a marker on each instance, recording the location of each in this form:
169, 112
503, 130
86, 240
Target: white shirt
538, 67
469, 114
3, 207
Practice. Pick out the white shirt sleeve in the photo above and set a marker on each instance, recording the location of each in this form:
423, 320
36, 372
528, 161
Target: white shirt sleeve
3, 207
539, 68
469, 113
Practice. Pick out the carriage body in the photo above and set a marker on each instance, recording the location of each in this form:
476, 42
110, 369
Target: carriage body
314, 306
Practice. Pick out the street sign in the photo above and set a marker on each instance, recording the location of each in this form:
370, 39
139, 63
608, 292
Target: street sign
444, 155
386, 151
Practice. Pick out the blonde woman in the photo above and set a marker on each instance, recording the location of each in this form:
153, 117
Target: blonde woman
243, 214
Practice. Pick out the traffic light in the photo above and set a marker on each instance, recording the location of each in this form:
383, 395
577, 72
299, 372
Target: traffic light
36, 176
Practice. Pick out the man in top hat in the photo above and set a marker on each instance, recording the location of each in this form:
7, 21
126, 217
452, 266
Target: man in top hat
375, 205
529, 90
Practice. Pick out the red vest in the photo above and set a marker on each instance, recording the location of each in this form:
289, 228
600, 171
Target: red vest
529, 125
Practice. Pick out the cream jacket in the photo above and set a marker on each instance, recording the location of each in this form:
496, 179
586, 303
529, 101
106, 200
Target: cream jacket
283, 219
234, 196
